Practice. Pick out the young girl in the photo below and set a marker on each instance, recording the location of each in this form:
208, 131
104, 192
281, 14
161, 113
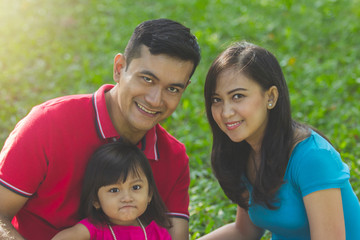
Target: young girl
119, 198
285, 176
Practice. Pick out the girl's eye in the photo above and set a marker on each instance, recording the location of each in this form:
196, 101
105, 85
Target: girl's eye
173, 90
136, 187
114, 190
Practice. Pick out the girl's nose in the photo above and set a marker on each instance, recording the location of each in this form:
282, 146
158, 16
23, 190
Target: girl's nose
126, 196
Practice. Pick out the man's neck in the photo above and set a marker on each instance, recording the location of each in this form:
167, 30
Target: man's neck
126, 133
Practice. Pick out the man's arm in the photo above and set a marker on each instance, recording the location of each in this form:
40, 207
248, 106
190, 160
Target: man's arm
10, 204
180, 229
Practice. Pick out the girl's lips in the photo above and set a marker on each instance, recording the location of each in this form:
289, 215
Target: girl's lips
232, 125
127, 206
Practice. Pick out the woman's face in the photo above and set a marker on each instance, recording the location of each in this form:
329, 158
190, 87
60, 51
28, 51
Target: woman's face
240, 107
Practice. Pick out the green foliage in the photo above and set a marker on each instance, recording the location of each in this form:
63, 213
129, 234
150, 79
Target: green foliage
52, 48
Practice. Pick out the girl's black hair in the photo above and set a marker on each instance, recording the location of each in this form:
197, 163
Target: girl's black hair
109, 164
229, 159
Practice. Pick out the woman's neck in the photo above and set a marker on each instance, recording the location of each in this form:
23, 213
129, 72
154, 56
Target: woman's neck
253, 165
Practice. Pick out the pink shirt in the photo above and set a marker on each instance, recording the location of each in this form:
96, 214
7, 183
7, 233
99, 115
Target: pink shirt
153, 232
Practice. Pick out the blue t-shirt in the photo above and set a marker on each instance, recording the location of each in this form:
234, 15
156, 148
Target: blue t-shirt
314, 165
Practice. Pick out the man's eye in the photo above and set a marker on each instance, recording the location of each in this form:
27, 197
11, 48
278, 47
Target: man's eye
173, 90
136, 187
147, 79
114, 190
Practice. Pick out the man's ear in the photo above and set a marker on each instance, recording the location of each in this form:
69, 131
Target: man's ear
188, 83
273, 95
119, 64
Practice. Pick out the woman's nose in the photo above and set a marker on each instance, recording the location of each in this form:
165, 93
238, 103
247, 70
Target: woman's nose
227, 110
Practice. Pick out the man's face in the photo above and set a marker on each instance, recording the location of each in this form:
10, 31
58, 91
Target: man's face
148, 90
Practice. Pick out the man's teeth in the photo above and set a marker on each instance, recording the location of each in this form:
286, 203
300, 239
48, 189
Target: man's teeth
146, 110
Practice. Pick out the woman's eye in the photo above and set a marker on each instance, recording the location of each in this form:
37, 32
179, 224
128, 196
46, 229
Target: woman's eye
215, 100
114, 190
238, 96
136, 187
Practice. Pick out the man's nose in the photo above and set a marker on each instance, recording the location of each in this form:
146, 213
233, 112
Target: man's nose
154, 97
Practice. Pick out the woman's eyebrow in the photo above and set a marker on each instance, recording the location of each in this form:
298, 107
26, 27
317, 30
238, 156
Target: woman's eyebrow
236, 89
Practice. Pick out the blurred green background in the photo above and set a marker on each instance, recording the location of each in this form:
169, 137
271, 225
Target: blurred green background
52, 48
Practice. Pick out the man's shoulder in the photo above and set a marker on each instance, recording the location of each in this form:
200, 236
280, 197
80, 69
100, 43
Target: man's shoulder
64, 100
70, 103
59, 109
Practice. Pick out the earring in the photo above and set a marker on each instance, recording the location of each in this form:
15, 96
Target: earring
270, 104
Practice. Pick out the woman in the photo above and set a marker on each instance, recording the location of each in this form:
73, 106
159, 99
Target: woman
285, 177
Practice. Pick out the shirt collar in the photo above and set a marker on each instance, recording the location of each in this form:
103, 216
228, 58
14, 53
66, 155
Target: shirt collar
106, 130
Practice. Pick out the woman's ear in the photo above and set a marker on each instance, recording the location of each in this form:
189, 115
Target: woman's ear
272, 96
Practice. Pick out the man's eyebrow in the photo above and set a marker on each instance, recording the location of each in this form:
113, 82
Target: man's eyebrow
180, 85
146, 72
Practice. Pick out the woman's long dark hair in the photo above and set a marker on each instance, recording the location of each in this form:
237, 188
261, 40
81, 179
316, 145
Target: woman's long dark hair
109, 164
229, 159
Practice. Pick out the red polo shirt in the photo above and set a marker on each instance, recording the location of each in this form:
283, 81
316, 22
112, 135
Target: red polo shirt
45, 156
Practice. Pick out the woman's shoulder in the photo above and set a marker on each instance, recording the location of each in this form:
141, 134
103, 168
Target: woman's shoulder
315, 163
310, 142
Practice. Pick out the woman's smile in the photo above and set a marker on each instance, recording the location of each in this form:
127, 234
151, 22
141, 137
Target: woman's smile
232, 125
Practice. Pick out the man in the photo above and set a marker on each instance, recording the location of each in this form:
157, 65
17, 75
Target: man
44, 159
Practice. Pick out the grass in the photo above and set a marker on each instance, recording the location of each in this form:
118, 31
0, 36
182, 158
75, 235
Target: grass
53, 48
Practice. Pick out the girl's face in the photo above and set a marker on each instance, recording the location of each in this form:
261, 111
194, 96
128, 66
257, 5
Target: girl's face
240, 107
124, 202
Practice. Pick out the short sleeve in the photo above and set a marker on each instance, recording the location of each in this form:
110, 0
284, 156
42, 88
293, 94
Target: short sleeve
172, 174
23, 162
178, 202
318, 167
95, 233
